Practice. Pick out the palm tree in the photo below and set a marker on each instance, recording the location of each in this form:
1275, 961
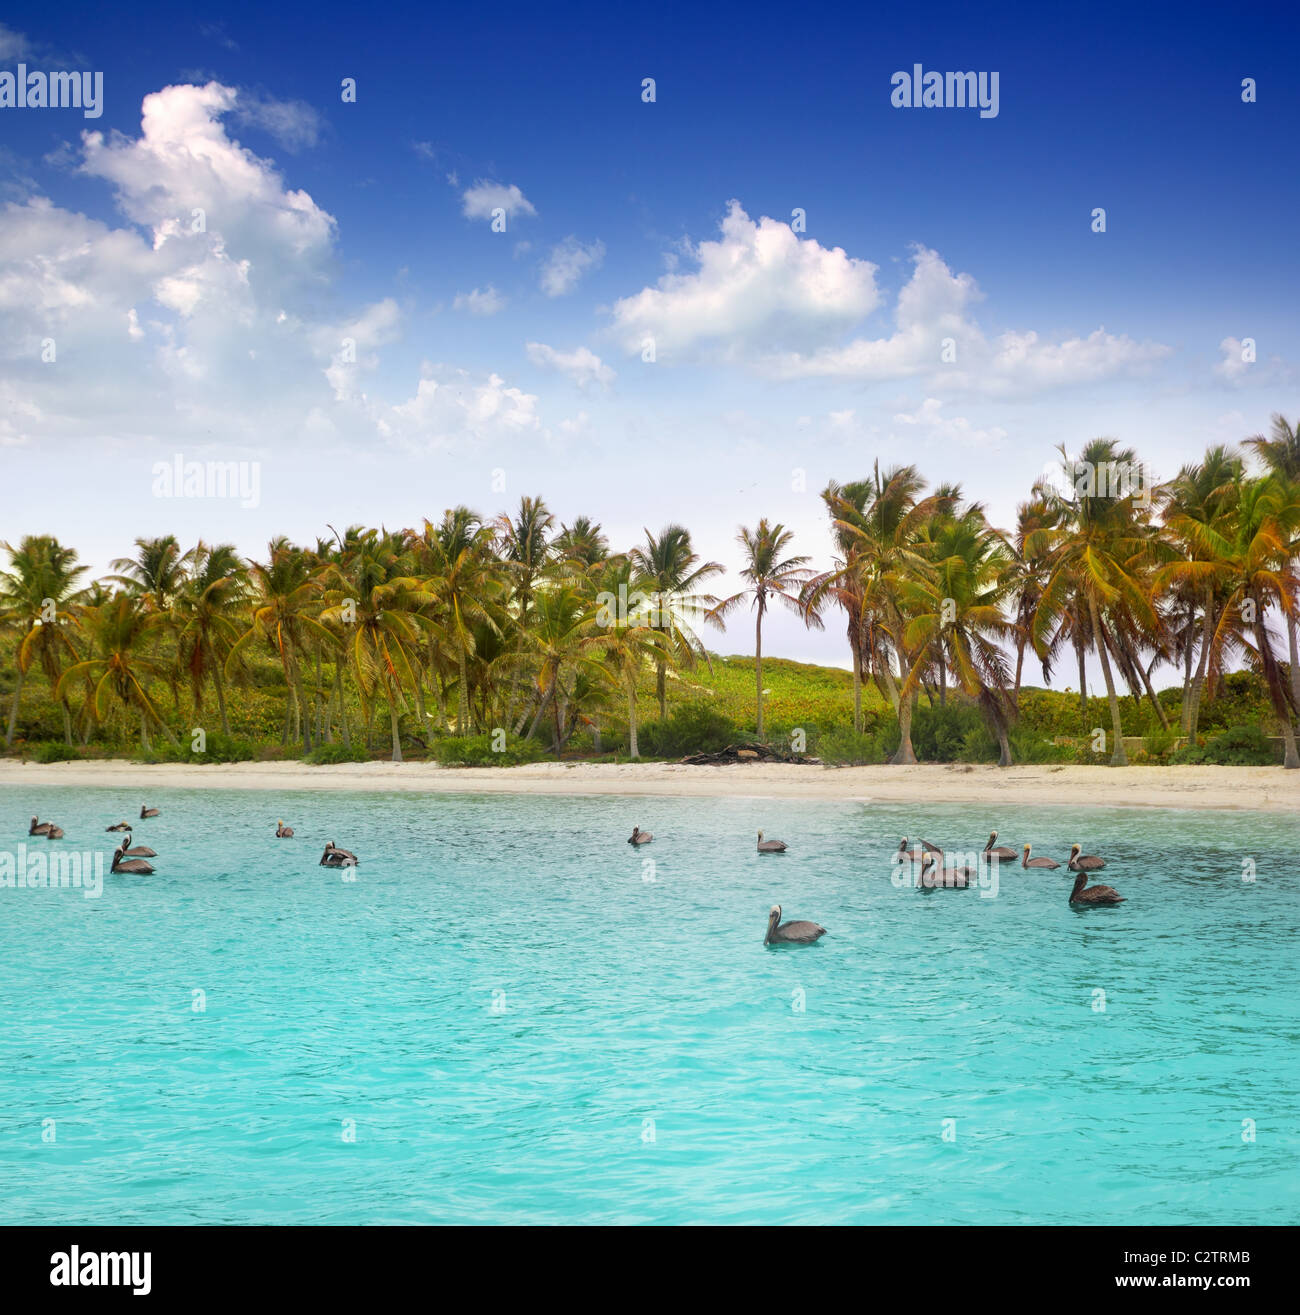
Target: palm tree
952, 594
38, 602
629, 644
1098, 559
157, 571
204, 620
464, 581
379, 604
582, 543
121, 633
1263, 526
769, 575
669, 569
1280, 453
284, 596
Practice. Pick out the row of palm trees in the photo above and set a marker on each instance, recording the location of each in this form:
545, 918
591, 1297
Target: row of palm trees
520, 623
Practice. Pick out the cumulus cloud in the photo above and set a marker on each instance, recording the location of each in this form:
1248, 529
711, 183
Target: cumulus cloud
928, 421
582, 365
567, 263
198, 317
481, 301
782, 305
479, 201
757, 288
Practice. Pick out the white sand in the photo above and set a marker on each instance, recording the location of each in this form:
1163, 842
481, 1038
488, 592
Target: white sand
1266, 788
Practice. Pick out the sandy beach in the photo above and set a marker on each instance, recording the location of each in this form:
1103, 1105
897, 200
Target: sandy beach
1269, 789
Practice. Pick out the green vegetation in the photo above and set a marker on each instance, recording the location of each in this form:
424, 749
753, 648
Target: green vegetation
468, 641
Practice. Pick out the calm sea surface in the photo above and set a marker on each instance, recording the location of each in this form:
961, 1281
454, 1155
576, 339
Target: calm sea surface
511, 1016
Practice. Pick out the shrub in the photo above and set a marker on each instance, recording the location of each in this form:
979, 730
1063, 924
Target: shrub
1240, 746
53, 752
323, 755
477, 751
694, 727
844, 747
218, 748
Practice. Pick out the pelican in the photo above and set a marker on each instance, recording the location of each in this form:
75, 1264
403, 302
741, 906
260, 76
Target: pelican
790, 933
1084, 862
130, 864
1000, 852
54, 832
639, 837
283, 832
334, 857
1028, 862
140, 851
771, 847
149, 812
39, 828
119, 826
913, 855
946, 878
1093, 894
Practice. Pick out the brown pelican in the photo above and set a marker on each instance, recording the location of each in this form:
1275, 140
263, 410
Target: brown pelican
771, 846
1028, 862
1084, 862
39, 828
933, 878
119, 826
140, 851
54, 833
130, 864
1093, 894
790, 933
639, 837
911, 855
283, 832
148, 812
1001, 851
334, 857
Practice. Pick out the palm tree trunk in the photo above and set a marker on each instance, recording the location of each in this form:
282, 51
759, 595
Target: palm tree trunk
758, 668
1118, 757
221, 698
1294, 657
662, 687
1151, 695
1202, 667
632, 749
905, 754
857, 689
1083, 685
462, 694
392, 721
13, 710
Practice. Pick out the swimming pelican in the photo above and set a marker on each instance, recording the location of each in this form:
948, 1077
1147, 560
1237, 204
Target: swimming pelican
283, 832
1028, 862
1001, 851
639, 837
912, 855
1084, 862
149, 812
1093, 894
140, 851
130, 864
934, 878
38, 828
54, 832
334, 857
119, 826
790, 933
770, 846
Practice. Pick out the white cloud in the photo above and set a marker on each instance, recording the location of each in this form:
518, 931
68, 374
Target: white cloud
567, 263
582, 365
293, 123
451, 404
928, 421
479, 201
13, 45
758, 287
481, 301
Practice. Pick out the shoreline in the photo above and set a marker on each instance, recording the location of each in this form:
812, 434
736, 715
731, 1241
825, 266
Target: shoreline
1244, 789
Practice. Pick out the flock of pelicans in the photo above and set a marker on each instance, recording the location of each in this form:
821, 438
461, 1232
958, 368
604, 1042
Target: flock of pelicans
933, 875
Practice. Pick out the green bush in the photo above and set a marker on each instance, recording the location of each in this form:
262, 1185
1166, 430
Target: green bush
53, 752
1028, 746
693, 727
478, 751
1240, 746
323, 755
218, 748
843, 747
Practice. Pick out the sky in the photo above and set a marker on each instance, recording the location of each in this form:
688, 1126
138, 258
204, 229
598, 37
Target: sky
237, 259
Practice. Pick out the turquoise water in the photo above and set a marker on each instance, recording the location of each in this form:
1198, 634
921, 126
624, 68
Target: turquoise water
522, 1028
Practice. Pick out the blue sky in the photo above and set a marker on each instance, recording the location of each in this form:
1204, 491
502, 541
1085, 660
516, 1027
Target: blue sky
516, 355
